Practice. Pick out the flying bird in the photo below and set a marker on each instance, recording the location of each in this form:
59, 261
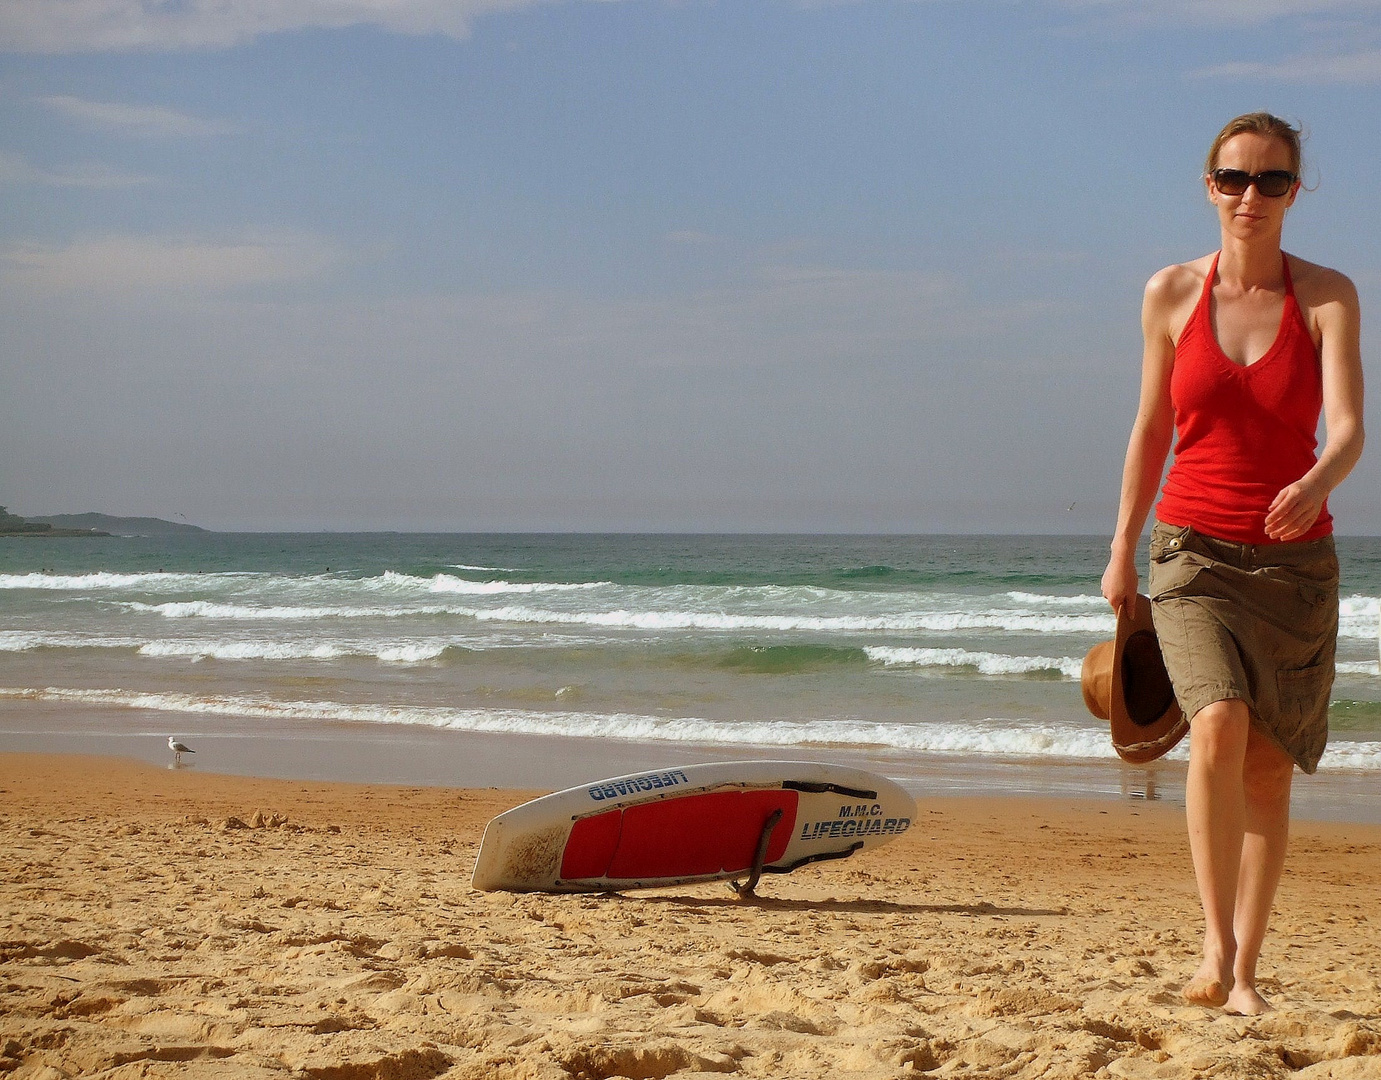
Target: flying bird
178, 749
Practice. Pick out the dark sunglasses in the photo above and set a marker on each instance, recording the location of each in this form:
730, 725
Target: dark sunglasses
1273, 183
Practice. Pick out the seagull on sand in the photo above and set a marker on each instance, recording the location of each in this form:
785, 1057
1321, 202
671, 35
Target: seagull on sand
178, 749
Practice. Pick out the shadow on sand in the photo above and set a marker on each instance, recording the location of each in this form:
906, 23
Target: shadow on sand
855, 907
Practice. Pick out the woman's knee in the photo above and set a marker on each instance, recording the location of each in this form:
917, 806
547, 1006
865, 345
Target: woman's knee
1219, 732
1267, 771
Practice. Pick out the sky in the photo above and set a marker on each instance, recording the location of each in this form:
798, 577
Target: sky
634, 265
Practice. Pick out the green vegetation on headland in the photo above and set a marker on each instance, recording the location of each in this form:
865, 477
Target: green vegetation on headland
14, 525
90, 525
118, 526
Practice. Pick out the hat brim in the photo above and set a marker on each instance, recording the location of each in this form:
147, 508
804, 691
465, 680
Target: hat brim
1150, 727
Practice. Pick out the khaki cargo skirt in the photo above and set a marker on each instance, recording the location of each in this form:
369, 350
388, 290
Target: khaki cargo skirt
1257, 622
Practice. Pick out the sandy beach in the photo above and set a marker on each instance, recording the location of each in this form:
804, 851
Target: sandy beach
178, 923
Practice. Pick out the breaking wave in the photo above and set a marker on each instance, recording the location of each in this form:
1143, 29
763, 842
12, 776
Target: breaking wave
997, 737
985, 663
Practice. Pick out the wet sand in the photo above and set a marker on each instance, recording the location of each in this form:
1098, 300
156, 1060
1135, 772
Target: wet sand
335, 935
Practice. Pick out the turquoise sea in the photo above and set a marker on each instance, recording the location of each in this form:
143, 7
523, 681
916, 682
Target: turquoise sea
541, 660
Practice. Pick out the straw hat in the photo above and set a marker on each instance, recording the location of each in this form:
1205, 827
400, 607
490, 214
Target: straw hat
1125, 682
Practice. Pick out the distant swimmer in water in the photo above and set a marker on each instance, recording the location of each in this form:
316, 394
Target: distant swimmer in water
1244, 348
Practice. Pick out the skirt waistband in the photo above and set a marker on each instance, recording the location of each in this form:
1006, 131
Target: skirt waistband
1169, 538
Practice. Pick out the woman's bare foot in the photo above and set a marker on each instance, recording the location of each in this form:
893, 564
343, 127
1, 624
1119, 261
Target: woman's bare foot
1209, 986
1244, 1000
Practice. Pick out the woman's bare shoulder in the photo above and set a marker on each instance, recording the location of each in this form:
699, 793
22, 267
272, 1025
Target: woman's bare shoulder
1318, 286
1170, 297
1172, 285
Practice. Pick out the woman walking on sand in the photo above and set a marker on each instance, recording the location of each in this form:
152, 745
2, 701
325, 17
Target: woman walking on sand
1243, 349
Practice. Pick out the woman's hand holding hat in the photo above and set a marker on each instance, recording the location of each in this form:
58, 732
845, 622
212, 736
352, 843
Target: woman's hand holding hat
1120, 582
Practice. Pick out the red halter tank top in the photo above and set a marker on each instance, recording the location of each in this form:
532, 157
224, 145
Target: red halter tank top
1243, 433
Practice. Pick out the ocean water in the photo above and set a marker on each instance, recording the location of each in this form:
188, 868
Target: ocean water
900, 649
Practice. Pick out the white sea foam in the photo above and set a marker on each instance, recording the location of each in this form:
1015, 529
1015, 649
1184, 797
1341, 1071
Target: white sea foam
447, 583
414, 653
26, 640
717, 620
1360, 606
79, 582
993, 736
1360, 756
396, 653
244, 650
651, 618
986, 663
207, 609
1358, 617
427, 649
1000, 737
407, 652
1048, 600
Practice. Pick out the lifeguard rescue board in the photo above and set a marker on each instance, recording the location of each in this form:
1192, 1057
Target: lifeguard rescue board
696, 823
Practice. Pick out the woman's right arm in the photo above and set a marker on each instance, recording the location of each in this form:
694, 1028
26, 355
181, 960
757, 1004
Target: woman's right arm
1151, 434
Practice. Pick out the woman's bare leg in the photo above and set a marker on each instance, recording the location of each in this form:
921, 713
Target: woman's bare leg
1215, 803
1267, 772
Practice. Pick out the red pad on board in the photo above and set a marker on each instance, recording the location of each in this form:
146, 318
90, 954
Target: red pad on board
757, 807
591, 845
686, 837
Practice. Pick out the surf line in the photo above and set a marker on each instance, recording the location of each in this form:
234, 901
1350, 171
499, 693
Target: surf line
839, 827
635, 784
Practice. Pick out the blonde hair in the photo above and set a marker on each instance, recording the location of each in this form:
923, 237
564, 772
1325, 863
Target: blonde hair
1259, 123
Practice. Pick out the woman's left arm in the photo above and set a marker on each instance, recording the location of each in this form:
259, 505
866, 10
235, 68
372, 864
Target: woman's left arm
1295, 509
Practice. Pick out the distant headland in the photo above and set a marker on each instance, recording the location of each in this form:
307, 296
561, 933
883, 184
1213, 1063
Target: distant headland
90, 525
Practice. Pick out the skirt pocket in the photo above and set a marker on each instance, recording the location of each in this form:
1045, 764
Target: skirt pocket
1303, 700
1173, 574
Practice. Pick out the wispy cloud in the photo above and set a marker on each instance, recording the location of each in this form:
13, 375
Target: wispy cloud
64, 26
1220, 12
129, 119
70, 26
1340, 37
1348, 68
124, 264
15, 169
778, 315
